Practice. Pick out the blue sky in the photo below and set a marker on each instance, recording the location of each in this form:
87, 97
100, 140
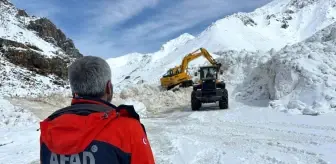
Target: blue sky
110, 28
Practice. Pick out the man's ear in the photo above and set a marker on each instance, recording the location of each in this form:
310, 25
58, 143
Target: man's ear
109, 88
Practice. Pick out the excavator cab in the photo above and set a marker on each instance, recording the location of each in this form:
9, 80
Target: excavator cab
169, 73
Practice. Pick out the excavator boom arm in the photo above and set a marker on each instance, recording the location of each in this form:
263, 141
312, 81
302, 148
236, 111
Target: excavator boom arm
208, 56
195, 55
188, 59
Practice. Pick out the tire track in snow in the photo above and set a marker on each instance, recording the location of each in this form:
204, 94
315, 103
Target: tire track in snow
231, 136
235, 135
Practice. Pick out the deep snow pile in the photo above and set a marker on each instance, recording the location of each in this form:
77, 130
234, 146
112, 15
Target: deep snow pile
244, 72
11, 115
304, 75
18, 134
297, 79
150, 99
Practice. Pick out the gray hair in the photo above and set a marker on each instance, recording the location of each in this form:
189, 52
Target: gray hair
88, 76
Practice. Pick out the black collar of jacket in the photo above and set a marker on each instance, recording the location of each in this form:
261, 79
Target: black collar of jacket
83, 107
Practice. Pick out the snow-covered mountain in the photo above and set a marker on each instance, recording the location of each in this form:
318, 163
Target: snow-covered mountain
273, 26
138, 68
34, 53
279, 23
298, 79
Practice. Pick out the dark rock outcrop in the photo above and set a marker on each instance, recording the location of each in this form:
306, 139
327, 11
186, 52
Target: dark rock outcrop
21, 13
299, 4
33, 60
247, 20
50, 33
5, 2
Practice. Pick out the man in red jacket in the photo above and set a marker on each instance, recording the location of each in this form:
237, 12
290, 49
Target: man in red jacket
91, 130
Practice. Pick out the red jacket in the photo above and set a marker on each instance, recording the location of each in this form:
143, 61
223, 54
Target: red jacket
95, 131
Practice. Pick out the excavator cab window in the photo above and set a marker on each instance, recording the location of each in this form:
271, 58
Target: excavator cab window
178, 71
168, 73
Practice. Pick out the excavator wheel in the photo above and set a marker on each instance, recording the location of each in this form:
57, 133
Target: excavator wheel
195, 103
224, 102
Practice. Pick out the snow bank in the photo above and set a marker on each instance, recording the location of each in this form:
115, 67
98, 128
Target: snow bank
305, 74
59, 100
139, 107
153, 99
239, 65
11, 115
18, 134
298, 79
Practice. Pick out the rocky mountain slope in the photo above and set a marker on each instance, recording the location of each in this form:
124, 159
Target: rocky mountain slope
34, 53
273, 26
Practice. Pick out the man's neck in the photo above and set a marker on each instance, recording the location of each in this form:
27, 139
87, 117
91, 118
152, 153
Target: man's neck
96, 99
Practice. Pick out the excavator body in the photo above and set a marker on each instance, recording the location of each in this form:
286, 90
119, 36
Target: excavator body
178, 76
171, 79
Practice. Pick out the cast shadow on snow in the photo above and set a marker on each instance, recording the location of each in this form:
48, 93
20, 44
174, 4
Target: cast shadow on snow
205, 107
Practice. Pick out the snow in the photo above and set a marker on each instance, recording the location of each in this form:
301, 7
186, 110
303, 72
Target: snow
19, 136
281, 82
19, 145
15, 29
153, 99
297, 79
17, 81
241, 134
14, 116
138, 68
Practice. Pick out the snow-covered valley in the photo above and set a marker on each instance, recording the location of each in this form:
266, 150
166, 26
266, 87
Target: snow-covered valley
241, 134
279, 69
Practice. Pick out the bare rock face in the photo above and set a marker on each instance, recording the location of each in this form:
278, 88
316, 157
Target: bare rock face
27, 57
21, 13
5, 2
30, 56
50, 33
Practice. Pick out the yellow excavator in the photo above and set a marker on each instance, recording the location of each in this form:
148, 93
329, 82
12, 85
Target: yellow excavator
178, 75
